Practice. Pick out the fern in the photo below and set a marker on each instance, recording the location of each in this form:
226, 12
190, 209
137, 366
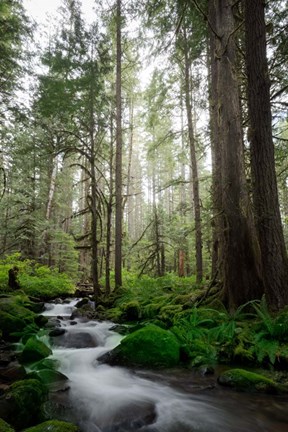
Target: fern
266, 348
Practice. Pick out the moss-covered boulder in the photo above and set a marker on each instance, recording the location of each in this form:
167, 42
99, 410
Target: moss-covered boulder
243, 380
150, 346
49, 376
14, 316
53, 426
21, 404
11, 325
47, 363
34, 350
5, 427
131, 311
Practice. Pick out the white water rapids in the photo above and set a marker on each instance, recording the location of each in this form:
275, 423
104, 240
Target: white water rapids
102, 398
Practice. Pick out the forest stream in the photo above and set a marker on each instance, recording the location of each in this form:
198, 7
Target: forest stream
101, 398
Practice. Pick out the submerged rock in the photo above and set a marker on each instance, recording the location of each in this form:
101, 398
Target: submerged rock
75, 340
53, 426
243, 380
150, 346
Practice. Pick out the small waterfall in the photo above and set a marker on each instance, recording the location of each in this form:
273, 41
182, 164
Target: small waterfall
114, 399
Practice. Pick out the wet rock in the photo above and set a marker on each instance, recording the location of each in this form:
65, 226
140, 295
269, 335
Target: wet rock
75, 340
82, 302
73, 323
6, 354
36, 307
53, 322
13, 372
59, 317
56, 381
132, 418
206, 370
41, 320
57, 332
122, 329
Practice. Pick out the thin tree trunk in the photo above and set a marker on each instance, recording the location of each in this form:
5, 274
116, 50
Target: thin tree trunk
118, 171
264, 183
193, 158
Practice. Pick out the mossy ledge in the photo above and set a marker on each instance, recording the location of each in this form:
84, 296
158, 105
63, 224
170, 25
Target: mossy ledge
243, 380
53, 426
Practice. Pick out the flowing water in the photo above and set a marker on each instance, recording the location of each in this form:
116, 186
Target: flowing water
102, 398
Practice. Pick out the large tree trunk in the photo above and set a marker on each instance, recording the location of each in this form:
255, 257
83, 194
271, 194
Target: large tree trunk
194, 167
241, 279
265, 193
118, 171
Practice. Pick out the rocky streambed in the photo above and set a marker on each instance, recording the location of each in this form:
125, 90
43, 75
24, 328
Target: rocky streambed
103, 398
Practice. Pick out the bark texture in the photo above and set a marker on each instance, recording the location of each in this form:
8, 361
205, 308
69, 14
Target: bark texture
265, 193
241, 278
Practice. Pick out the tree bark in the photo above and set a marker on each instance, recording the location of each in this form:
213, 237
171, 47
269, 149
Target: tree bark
241, 278
118, 170
194, 167
264, 183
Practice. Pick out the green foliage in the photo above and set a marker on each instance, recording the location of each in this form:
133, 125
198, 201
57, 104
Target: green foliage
274, 327
53, 426
35, 279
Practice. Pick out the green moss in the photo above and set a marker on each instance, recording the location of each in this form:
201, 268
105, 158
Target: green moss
151, 346
27, 396
5, 427
53, 426
48, 376
131, 311
243, 380
47, 363
10, 324
34, 350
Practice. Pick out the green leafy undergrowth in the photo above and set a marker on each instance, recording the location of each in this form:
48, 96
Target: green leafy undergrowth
35, 279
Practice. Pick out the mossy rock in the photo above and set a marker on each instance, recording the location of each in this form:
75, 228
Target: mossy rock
10, 324
23, 403
34, 350
53, 426
48, 376
243, 380
14, 317
150, 346
5, 427
47, 363
131, 311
